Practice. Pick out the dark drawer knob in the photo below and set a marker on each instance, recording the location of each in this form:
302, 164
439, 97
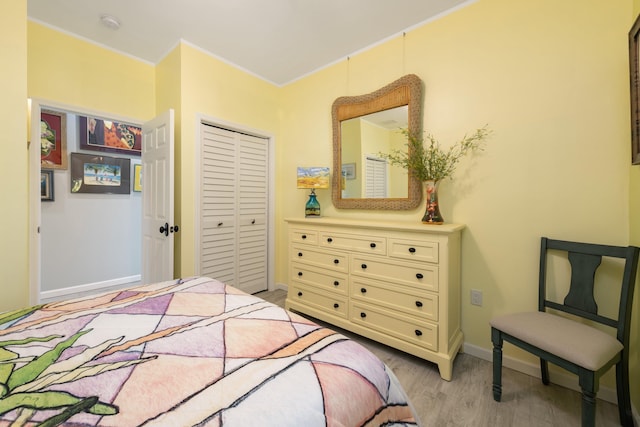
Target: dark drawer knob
412, 250
373, 245
418, 332
336, 305
304, 236
418, 303
299, 294
336, 283
299, 273
419, 276
336, 261
299, 253
363, 315
329, 240
364, 266
363, 290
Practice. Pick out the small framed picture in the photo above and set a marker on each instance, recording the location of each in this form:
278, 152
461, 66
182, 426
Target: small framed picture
100, 174
53, 140
137, 177
349, 170
46, 186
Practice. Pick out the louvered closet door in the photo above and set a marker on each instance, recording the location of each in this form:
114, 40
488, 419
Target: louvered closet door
376, 178
234, 203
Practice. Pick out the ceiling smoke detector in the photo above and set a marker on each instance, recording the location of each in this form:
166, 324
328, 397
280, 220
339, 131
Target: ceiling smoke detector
110, 22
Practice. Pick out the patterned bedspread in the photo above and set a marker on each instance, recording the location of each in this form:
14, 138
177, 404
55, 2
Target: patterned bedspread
186, 353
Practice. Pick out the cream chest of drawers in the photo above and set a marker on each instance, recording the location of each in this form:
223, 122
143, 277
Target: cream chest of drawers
396, 283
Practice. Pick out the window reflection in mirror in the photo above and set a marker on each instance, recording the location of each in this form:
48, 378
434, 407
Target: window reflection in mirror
365, 173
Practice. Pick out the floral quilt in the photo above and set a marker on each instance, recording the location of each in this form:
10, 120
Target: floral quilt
192, 352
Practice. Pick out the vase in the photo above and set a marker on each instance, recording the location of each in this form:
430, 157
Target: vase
312, 208
432, 211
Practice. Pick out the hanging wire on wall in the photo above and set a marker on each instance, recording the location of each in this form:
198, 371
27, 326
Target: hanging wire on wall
348, 74
404, 53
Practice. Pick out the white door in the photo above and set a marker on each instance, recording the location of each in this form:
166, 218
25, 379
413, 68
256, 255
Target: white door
158, 225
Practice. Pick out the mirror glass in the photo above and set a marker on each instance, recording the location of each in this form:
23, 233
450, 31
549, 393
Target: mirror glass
365, 174
365, 126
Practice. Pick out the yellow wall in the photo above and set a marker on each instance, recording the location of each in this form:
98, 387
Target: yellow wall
73, 72
14, 178
551, 80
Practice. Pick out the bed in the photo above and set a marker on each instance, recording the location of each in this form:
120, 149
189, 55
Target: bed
191, 352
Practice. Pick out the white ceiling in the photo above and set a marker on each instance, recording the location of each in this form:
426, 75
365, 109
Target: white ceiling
276, 40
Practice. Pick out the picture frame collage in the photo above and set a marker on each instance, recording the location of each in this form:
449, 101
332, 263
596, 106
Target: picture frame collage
96, 173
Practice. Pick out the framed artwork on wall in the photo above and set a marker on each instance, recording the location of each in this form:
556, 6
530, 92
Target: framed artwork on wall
105, 135
349, 170
53, 140
634, 70
137, 177
46, 186
100, 174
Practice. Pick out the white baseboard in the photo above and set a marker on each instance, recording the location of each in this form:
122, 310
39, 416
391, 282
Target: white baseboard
282, 286
89, 287
569, 381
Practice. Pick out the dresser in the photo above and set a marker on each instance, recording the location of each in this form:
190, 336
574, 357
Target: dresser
394, 282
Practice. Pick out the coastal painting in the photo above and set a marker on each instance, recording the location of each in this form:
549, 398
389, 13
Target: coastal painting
100, 174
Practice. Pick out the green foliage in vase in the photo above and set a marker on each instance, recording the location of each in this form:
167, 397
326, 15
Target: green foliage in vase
427, 161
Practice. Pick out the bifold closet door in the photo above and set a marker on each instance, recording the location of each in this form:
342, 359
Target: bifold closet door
375, 177
234, 207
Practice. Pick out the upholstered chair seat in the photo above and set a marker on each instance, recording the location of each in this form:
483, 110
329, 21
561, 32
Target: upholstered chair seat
572, 341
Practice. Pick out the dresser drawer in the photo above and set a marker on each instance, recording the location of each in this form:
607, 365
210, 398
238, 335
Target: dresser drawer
328, 302
376, 245
422, 276
404, 299
422, 251
325, 259
304, 236
420, 333
322, 278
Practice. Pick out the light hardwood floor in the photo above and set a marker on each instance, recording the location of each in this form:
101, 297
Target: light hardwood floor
467, 400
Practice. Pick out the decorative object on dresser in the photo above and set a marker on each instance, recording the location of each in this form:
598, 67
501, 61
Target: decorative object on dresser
431, 164
313, 178
395, 283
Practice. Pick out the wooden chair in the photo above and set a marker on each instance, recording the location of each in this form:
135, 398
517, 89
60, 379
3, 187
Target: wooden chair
567, 340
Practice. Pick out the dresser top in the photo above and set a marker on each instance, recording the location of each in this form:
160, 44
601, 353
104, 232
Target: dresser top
446, 228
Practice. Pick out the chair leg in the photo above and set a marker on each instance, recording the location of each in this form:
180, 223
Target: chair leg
496, 338
588, 408
624, 399
589, 386
544, 371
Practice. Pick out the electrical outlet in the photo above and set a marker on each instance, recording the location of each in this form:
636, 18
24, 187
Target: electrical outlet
476, 297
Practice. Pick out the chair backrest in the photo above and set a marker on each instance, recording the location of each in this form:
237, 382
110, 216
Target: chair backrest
585, 258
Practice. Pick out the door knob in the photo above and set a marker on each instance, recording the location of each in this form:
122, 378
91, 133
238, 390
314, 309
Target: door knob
164, 229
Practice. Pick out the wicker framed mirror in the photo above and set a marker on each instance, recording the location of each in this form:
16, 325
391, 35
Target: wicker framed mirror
401, 99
